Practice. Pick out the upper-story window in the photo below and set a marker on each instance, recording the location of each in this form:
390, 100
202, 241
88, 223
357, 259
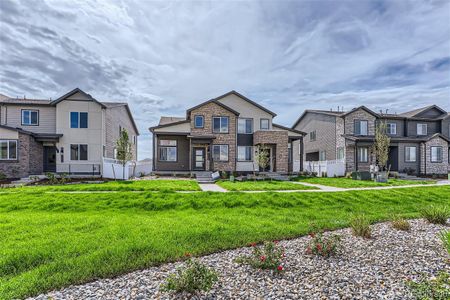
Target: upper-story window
391, 128
30, 117
361, 127
312, 136
199, 121
245, 126
78, 119
8, 149
220, 124
422, 129
264, 124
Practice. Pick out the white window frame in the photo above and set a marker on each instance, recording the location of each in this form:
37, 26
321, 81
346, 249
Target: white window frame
365, 156
439, 158
361, 122
243, 130
8, 142
79, 152
166, 145
30, 111
244, 148
408, 151
261, 124
391, 126
220, 124
422, 125
221, 158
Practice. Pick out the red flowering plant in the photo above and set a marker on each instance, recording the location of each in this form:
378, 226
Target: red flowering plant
323, 245
267, 256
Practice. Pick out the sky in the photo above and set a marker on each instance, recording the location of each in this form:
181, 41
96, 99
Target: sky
164, 57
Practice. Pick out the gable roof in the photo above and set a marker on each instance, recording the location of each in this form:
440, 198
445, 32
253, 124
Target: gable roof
318, 111
233, 92
289, 129
415, 112
211, 101
73, 92
363, 108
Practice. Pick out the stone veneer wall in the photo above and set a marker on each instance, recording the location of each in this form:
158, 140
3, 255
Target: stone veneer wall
208, 111
30, 159
441, 167
340, 140
359, 114
280, 140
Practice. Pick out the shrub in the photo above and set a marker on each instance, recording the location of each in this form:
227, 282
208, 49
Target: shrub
2, 176
323, 245
268, 256
193, 277
436, 214
431, 289
63, 178
51, 178
360, 225
400, 223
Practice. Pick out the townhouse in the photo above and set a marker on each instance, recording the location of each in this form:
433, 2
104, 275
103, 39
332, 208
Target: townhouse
72, 134
420, 139
223, 134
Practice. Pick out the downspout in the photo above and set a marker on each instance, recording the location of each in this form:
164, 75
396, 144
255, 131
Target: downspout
356, 156
301, 153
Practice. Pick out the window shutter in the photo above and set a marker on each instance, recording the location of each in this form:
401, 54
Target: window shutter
357, 127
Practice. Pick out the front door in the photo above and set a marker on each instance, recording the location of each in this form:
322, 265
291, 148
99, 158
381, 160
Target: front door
199, 159
393, 159
49, 159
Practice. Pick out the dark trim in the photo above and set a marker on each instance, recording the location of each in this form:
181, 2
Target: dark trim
152, 129
159, 146
73, 92
357, 154
363, 108
233, 92
17, 150
228, 153
212, 125
208, 102
21, 116
204, 150
289, 129
203, 121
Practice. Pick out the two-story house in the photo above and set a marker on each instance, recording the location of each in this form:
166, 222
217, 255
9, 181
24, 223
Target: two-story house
420, 138
71, 134
222, 134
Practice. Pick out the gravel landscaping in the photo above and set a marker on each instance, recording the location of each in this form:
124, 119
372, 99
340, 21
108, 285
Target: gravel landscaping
374, 268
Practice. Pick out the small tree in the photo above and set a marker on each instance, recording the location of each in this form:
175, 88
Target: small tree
381, 146
262, 156
123, 146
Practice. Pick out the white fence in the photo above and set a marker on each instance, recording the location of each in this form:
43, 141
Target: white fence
330, 168
113, 169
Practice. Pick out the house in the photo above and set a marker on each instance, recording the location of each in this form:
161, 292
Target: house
71, 134
222, 134
420, 139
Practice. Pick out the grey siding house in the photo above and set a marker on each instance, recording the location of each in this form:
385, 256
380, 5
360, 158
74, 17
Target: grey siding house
71, 134
420, 139
222, 134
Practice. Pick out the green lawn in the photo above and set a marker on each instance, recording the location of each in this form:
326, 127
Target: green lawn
136, 185
48, 242
262, 186
350, 183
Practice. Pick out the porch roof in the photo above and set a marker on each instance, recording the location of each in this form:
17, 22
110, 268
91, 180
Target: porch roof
47, 137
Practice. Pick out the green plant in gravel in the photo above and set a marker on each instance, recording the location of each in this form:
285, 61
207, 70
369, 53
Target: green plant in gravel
323, 245
400, 223
431, 289
191, 278
445, 238
360, 225
436, 214
268, 256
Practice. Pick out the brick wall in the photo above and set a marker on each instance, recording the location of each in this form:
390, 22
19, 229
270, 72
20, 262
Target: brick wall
359, 114
340, 140
208, 111
280, 140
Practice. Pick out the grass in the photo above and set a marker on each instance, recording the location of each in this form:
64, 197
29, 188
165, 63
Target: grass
136, 185
262, 186
51, 242
436, 214
350, 183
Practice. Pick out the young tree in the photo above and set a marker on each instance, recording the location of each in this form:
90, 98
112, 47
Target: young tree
381, 145
262, 156
123, 146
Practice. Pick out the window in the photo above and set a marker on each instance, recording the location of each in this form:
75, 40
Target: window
363, 154
245, 126
391, 128
312, 136
340, 153
8, 149
115, 153
168, 150
78, 152
322, 155
78, 119
30, 117
134, 139
361, 127
264, 124
289, 152
410, 154
104, 151
436, 154
220, 124
62, 154
245, 153
422, 129
199, 121
220, 152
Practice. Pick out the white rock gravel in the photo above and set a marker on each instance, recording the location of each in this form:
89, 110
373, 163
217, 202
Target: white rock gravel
374, 268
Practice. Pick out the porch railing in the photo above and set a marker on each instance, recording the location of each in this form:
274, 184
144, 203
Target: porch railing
79, 169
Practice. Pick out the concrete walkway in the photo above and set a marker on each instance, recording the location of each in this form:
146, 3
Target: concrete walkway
319, 186
212, 187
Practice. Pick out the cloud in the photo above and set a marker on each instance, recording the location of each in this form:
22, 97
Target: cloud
163, 57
